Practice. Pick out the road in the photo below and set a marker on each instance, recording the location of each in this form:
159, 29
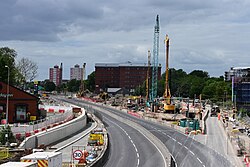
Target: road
186, 151
129, 147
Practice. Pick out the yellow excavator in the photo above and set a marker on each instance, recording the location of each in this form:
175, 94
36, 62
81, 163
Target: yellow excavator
168, 106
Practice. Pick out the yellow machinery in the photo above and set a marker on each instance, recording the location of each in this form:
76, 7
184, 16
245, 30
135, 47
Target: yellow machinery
168, 107
96, 139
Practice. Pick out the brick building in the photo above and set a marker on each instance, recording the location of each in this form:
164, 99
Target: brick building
22, 105
127, 76
55, 75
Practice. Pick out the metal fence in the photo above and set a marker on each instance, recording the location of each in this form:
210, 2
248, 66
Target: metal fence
42, 123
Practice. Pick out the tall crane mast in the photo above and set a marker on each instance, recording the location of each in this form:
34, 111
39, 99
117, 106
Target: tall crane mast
155, 60
148, 76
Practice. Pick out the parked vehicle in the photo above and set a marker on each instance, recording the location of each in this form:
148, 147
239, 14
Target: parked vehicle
214, 111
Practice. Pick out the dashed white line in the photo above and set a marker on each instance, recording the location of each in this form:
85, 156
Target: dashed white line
137, 154
185, 147
179, 143
199, 160
191, 152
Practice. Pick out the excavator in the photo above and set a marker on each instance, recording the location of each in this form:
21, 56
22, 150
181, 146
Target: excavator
168, 106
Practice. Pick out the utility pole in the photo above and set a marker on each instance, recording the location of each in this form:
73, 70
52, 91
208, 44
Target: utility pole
7, 96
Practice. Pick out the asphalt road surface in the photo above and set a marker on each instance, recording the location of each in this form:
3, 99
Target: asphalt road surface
186, 151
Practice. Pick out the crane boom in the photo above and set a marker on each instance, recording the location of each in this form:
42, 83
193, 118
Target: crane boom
155, 60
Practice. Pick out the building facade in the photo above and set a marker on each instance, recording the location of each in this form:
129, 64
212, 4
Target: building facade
22, 106
240, 78
76, 72
55, 75
236, 72
127, 76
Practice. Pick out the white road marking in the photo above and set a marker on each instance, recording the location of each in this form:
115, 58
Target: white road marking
199, 160
191, 152
136, 150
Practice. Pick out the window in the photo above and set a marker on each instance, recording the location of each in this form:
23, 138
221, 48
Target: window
21, 112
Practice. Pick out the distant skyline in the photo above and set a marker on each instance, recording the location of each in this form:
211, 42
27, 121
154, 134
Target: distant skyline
204, 35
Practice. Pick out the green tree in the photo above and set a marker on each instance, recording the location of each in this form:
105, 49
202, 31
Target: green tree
199, 73
73, 85
49, 86
3, 138
7, 58
90, 82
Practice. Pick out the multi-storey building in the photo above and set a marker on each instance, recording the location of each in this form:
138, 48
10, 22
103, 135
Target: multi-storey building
55, 75
236, 72
115, 75
240, 77
76, 73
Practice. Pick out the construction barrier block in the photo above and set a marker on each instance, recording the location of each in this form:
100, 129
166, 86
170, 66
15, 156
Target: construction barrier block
27, 134
61, 111
51, 109
18, 136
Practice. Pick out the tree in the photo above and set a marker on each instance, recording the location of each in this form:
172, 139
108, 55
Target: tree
73, 85
199, 73
49, 86
90, 82
27, 69
7, 58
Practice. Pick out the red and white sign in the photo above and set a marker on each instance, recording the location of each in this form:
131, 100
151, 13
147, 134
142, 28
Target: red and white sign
77, 154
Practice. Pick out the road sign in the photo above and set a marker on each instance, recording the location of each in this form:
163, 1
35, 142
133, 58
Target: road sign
77, 154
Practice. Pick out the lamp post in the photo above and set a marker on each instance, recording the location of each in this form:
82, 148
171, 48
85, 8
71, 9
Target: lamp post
7, 96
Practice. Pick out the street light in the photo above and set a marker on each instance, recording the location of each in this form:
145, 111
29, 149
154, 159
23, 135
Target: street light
8, 87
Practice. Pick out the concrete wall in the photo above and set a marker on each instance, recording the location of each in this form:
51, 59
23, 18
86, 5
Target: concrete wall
55, 134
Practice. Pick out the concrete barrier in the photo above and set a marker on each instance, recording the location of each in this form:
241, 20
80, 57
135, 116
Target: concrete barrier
56, 133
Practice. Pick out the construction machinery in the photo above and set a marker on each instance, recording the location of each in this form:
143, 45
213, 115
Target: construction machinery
155, 60
148, 77
168, 106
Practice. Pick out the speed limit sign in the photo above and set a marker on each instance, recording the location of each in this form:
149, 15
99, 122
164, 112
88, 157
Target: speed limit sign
77, 154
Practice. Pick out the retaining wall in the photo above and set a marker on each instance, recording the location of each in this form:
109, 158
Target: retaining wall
56, 133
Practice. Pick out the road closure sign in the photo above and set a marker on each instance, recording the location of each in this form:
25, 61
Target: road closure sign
77, 154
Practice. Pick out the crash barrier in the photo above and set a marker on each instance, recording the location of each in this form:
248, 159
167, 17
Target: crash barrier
55, 133
103, 157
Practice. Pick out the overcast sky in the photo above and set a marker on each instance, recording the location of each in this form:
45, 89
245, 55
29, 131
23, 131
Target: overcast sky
209, 35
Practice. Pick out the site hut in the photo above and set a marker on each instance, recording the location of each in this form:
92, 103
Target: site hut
22, 106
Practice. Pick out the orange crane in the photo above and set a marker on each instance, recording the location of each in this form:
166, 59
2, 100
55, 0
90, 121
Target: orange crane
168, 107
